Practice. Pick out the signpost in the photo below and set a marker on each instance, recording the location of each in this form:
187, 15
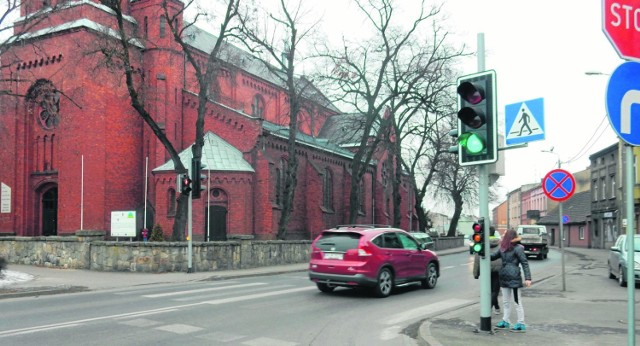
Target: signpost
559, 185
621, 23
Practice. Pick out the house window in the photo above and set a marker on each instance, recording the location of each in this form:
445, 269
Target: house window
171, 202
257, 106
327, 190
146, 27
581, 232
604, 189
163, 25
595, 190
613, 186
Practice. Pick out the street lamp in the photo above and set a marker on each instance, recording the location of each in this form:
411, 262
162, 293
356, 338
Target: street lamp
550, 151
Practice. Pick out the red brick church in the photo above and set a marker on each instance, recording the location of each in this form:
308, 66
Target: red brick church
74, 150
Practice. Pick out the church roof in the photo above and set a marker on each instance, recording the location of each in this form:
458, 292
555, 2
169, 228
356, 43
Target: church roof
217, 155
304, 139
204, 42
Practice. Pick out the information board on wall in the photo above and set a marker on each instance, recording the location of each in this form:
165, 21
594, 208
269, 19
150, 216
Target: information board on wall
5, 198
123, 223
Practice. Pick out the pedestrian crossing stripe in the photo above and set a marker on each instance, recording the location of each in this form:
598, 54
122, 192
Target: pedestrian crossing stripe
525, 122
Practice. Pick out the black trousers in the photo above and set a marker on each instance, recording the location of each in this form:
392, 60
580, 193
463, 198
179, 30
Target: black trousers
495, 289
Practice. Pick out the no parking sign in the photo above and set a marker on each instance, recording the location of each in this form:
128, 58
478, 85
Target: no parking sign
559, 185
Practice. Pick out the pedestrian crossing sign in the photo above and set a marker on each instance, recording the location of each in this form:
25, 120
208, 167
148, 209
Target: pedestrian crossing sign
524, 122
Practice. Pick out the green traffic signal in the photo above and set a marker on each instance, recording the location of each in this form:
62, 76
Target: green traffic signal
477, 119
472, 143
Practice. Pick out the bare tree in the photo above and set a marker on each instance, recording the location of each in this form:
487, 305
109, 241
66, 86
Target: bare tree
361, 74
121, 53
422, 84
282, 61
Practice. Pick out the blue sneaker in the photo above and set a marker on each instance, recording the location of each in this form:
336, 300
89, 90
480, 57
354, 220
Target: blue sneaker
503, 325
519, 328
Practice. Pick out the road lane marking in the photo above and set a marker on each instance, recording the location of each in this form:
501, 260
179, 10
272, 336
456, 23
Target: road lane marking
257, 296
426, 310
36, 329
160, 295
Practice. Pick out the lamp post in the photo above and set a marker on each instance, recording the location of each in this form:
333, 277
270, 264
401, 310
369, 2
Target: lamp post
564, 281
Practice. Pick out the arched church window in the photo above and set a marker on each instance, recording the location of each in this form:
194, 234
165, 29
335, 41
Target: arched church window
257, 106
171, 202
327, 189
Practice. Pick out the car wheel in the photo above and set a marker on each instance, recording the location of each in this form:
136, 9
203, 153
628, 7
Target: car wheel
385, 283
544, 256
432, 277
621, 280
325, 288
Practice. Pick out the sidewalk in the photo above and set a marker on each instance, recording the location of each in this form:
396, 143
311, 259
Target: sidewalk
591, 311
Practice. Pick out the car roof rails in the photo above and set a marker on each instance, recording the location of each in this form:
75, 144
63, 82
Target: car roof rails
363, 226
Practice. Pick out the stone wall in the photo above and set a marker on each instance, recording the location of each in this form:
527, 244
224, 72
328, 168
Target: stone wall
156, 257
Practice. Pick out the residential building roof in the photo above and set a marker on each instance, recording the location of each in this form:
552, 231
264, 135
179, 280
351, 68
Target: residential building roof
577, 208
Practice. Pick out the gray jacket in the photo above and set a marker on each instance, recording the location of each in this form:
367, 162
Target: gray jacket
510, 275
495, 265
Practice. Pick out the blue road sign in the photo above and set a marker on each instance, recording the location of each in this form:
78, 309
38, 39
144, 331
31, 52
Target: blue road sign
565, 219
524, 122
623, 102
558, 185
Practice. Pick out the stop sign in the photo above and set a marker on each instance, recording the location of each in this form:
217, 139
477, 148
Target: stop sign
621, 24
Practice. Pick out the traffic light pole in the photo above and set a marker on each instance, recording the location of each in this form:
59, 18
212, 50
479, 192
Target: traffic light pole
483, 199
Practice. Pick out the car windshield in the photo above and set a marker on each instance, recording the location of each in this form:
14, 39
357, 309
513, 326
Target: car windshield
529, 231
636, 244
330, 241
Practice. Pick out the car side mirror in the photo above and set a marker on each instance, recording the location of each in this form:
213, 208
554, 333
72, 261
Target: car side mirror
423, 246
613, 248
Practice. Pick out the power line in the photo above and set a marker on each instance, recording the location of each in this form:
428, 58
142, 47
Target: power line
588, 146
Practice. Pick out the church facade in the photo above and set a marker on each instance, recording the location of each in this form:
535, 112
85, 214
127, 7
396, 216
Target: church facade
75, 151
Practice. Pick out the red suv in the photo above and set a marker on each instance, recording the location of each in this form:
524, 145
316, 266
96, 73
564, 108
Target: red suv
378, 257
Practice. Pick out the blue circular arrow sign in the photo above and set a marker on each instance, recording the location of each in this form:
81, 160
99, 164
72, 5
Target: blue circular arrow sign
559, 185
623, 102
565, 219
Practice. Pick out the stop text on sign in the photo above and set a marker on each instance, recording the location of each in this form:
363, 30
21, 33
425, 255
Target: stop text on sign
625, 15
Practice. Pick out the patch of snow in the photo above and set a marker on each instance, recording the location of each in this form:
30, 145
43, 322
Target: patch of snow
9, 277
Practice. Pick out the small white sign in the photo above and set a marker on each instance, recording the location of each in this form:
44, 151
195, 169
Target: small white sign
123, 223
5, 198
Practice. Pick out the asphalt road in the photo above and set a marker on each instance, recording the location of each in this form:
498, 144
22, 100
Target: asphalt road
284, 309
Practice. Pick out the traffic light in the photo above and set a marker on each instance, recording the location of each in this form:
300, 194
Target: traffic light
477, 119
185, 185
197, 176
478, 237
